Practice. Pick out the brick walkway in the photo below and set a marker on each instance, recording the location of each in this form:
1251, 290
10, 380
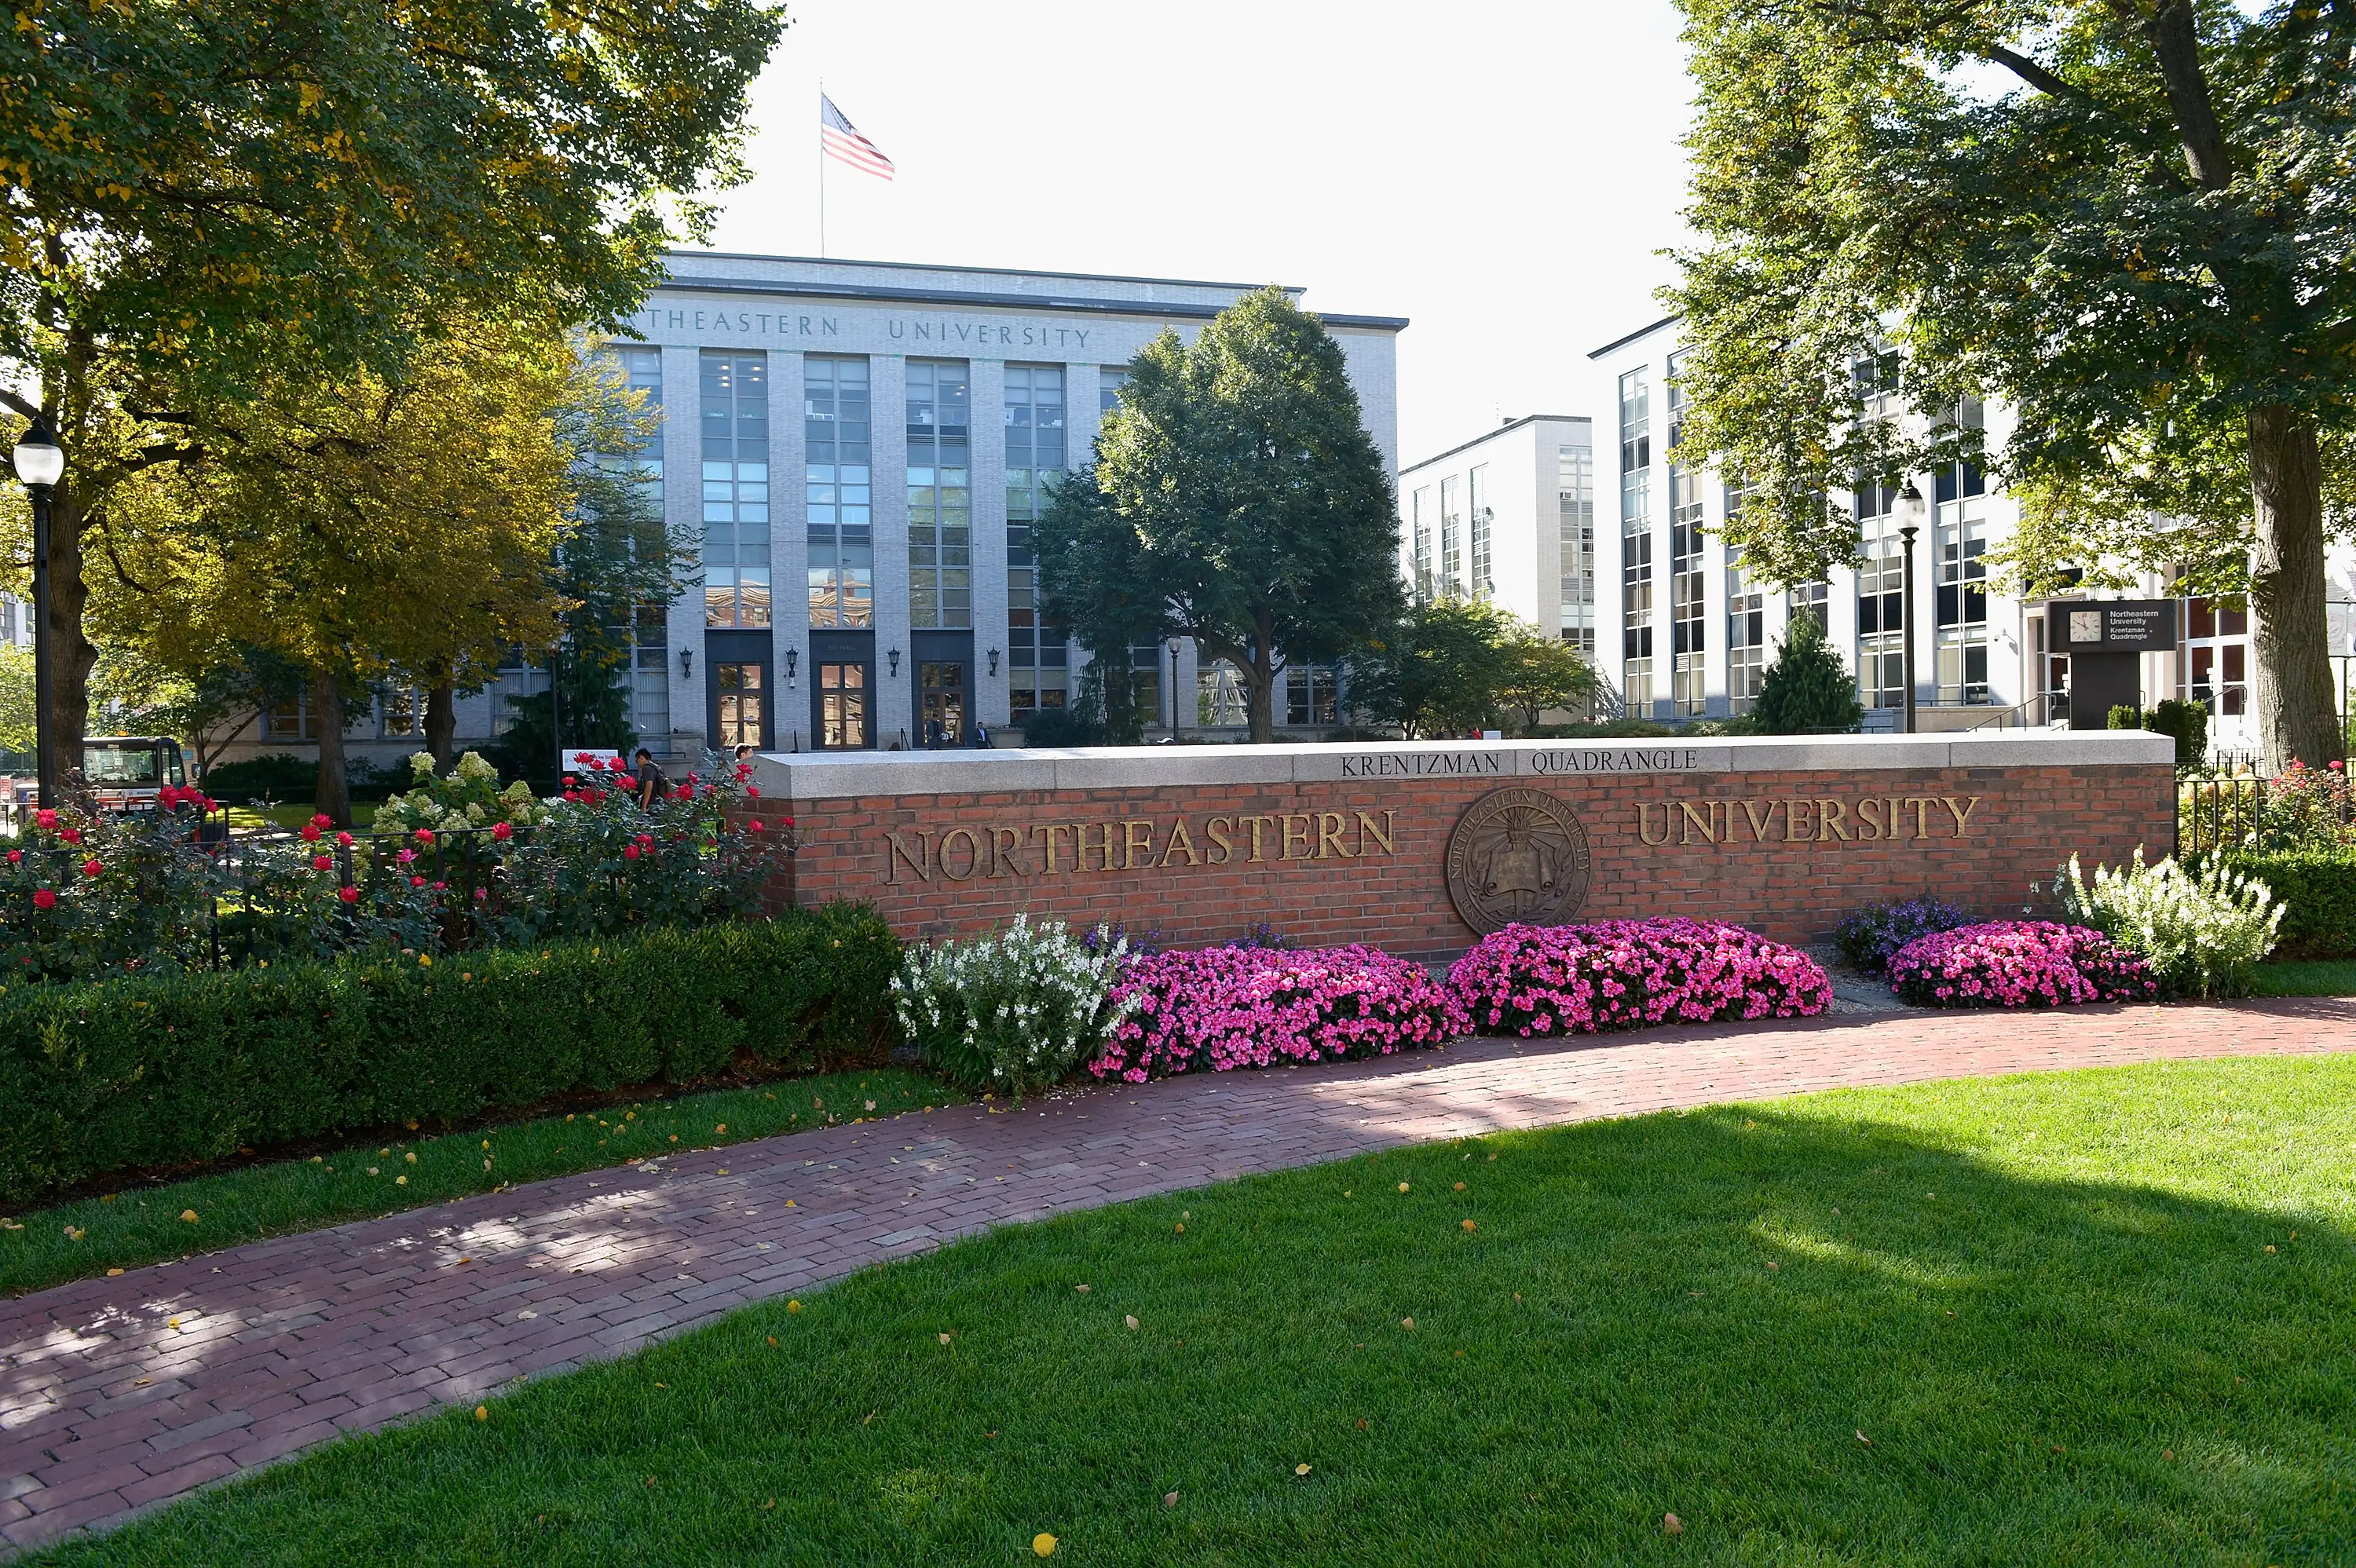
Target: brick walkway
107, 1407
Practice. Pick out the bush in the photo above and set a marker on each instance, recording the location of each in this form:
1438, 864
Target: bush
1625, 973
2185, 722
1061, 727
277, 776
1807, 688
1013, 1012
154, 1072
1867, 937
1234, 1007
2202, 935
2315, 893
468, 795
2017, 964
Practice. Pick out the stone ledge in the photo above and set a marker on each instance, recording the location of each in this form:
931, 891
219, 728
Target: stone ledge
809, 776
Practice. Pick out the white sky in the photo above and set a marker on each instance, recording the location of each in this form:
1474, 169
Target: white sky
1503, 174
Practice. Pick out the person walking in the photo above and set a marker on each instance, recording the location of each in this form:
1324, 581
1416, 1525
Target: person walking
652, 785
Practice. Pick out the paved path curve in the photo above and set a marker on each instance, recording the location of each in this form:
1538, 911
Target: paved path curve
105, 1409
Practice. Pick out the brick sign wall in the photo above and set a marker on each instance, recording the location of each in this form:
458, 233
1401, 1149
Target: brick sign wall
1335, 844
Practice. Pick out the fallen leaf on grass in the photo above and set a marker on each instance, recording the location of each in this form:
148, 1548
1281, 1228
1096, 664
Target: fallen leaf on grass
1460, 1187
1301, 1469
1044, 1544
1469, 1225
482, 1413
1081, 1288
770, 1504
1170, 1500
1402, 1187
1861, 1438
190, 1214
1130, 1319
1670, 1523
1407, 1322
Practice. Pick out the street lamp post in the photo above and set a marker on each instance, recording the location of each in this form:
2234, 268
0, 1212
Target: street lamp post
1911, 511
40, 463
1173, 688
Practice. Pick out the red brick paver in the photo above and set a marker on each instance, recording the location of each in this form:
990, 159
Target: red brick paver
107, 1408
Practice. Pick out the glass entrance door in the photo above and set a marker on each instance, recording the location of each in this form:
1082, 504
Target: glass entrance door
743, 702
843, 706
940, 701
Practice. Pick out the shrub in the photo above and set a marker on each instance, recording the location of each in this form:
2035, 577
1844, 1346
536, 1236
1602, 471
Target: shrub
1807, 688
2017, 964
2202, 935
1228, 1007
468, 795
1625, 973
1012, 1012
2308, 809
2315, 893
1867, 937
153, 1073
2185, 722
1049, 726
276, 775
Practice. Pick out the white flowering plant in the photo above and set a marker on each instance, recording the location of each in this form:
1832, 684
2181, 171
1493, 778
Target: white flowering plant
468, 795
2202, 933
1012, 1012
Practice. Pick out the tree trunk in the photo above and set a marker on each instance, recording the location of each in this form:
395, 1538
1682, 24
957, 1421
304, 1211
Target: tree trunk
441, 724
2289, 634
71, 657
335, 797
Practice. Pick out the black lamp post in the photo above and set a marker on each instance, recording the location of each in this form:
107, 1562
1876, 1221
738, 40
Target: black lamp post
1911, 511
40, 463
1173, 688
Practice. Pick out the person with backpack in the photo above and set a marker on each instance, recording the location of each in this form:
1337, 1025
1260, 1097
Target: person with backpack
652, 784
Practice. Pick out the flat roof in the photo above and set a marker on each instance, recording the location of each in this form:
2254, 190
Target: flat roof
1500, 429
991, 272
1640, 332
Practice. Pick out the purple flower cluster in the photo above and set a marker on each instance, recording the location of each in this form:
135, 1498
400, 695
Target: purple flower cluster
2018, 964
1225, 1008
1625, 973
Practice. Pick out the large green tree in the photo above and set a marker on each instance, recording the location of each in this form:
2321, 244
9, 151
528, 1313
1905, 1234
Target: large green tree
1443, 667
1236, 499
193, 196
2128, 219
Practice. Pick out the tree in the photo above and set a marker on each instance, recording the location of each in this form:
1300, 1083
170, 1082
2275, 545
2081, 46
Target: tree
1546, 674
2142, 246
1237, 500
1807, 689
1443, 667
193, 197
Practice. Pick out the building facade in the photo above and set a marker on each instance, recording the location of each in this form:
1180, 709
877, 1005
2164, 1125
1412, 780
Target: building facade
861, 449
1509, 519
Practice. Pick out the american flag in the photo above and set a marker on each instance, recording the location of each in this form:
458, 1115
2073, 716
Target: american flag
840, 139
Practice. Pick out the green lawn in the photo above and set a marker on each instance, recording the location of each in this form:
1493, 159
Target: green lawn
2323, 977
146, 1225
2101, 1318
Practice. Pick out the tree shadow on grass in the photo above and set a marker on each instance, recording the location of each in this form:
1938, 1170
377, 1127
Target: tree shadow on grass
1966, 1351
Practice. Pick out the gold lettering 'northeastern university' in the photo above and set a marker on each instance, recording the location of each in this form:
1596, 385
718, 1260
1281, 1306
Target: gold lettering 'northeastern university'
1142, 843
1736, 824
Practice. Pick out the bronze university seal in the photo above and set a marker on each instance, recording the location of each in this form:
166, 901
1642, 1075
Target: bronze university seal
1516, 855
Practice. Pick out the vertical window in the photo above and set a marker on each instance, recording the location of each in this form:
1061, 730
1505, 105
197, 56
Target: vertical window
1111, 379
843, 706
2216, 655
1451, 539
1636, 448
1145, 667
1574, 497
1746, 635
1880, 600
1038, 656
1310, 696
741, 704
1476, 490
401, 712
650, 628
1636, 539
1222, 700
1960, 529
838, 485
940, 496
1686, 625
1421, 507
735, 453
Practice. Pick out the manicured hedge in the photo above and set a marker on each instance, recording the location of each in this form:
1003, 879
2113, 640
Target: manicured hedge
2317, 887
145, 1073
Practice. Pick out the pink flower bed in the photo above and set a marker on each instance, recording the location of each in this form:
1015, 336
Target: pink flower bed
1225, 1008
1625, 973
2017, 964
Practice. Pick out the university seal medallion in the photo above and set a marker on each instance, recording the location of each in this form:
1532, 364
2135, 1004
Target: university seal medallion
1516, 855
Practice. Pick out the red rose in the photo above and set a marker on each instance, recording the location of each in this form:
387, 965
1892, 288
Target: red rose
344, 839
321, 819
46, 818
580, 756
503, 831
14, 856
43, 898
70, 834
310, 833
646, 838
91, 867
440, 887
416, 881
573, 794
789, 822
349, 895
482, 892
167, 798
426, 835
629, 851
323, 862
753, 790
754, 825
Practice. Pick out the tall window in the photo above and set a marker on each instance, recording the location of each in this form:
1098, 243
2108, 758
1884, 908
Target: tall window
400, 710
1451, 539
1880, 600
838, 485
1687, 626
650, 628
940, 496
1420, 510
2216, 655
1636, 540
1038, 656
1575, 495
1222, 700
1746, 635
1145, 686
735, 442
1476, 492
1111, 379
1813, 600
1310, 696
1960, 526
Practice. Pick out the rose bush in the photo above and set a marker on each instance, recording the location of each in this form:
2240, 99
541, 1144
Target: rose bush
2018, 964
1625, 973
1222, 1009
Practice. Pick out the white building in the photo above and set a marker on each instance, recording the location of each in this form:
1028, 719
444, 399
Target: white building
1509, 517
861, 447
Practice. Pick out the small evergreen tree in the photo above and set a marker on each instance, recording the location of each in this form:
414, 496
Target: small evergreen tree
1808, 688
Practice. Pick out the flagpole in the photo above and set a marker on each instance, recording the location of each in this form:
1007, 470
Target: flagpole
821, 170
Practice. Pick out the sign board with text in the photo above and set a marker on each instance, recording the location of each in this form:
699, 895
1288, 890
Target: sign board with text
2113, 625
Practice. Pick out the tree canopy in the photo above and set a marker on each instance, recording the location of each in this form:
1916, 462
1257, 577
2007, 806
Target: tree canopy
1444, 667
2128, 219
1237, 499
